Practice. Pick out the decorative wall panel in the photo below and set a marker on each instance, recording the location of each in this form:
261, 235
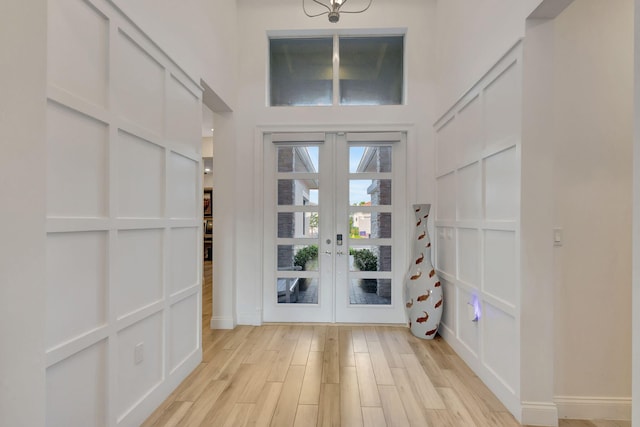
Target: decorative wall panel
184, 258
184, 317
141, 177
139, 85
77, 165
77, 389
182, 170
478, 205
78, 43
500, 265
468, 259
137, 378
76, 271
124, 219
139, 277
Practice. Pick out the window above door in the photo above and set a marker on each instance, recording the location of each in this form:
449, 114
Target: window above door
336, 70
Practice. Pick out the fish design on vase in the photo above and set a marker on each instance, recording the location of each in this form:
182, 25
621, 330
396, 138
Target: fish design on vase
423, 289
423, 318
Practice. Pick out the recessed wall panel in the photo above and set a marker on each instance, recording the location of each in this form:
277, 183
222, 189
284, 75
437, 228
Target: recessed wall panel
139, 279
501, 344
468, 256
184, 258
140, 178
77, 42
183, 333
469, 192
77, 148
183, 187
76, 285
446, 209
183, 112
503, 99
500, 265
468, 330
502, 181
446, 250
76, 389
471, 135
449, 306
139, 85
137, 377
446, 147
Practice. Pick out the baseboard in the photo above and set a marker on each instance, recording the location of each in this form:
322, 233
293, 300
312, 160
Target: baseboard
591, 408
218, 322
539, 414
250, 318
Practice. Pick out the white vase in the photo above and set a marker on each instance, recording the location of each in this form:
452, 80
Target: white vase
423, 291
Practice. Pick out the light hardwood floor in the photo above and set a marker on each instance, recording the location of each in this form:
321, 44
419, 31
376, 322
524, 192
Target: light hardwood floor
330, 375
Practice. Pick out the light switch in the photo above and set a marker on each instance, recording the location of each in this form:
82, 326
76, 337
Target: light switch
557, 237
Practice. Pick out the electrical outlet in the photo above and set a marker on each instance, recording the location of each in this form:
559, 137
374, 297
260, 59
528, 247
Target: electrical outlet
138, 353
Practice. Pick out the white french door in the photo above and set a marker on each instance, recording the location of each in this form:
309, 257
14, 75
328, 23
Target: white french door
334, 232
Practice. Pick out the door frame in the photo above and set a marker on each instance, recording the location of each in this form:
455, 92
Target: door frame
410, 185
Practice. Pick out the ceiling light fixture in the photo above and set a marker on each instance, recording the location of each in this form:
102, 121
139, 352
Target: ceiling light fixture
333, 9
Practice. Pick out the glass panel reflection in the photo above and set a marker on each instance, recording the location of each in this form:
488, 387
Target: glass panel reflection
370, 258
369, 159
297, 290
370, 291
371, 70
298, 224
297, 258
298, 159
370, 192
301, 71
298, 192
370, 225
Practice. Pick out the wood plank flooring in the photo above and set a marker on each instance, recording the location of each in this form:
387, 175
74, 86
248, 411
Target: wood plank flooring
330, 375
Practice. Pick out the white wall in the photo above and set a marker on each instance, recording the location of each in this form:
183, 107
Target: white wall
472, 36
258, 17
477, 225
636, 225
593, 176
123, 218
198, 34
22, 212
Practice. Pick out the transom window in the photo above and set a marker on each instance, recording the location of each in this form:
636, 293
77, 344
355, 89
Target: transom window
336, 70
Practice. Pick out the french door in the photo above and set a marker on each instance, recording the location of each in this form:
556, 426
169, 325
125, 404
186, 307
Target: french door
334, 230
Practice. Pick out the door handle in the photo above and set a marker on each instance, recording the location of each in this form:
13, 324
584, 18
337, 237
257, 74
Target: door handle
340, 253
327, 252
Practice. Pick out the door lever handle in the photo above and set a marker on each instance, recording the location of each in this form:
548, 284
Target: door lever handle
340, 253
327, 252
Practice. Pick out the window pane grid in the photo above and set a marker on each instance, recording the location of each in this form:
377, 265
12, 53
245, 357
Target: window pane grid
336, 71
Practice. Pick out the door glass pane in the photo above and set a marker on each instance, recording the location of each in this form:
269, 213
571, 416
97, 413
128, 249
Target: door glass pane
298, 224
301, 71
371, 70
297, 258
370, 258
370, 291
298, 159
298, 192
369, 159
370, 192
297, 290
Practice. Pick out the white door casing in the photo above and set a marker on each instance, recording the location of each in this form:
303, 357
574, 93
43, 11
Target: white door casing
331, 290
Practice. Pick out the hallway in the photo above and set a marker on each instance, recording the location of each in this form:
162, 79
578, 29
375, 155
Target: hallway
330, 375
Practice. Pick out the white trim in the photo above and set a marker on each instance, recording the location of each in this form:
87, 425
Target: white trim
594, 407
222, 322
539, 414
253, 318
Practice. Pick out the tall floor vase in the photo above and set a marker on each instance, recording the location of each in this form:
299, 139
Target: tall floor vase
423, 292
